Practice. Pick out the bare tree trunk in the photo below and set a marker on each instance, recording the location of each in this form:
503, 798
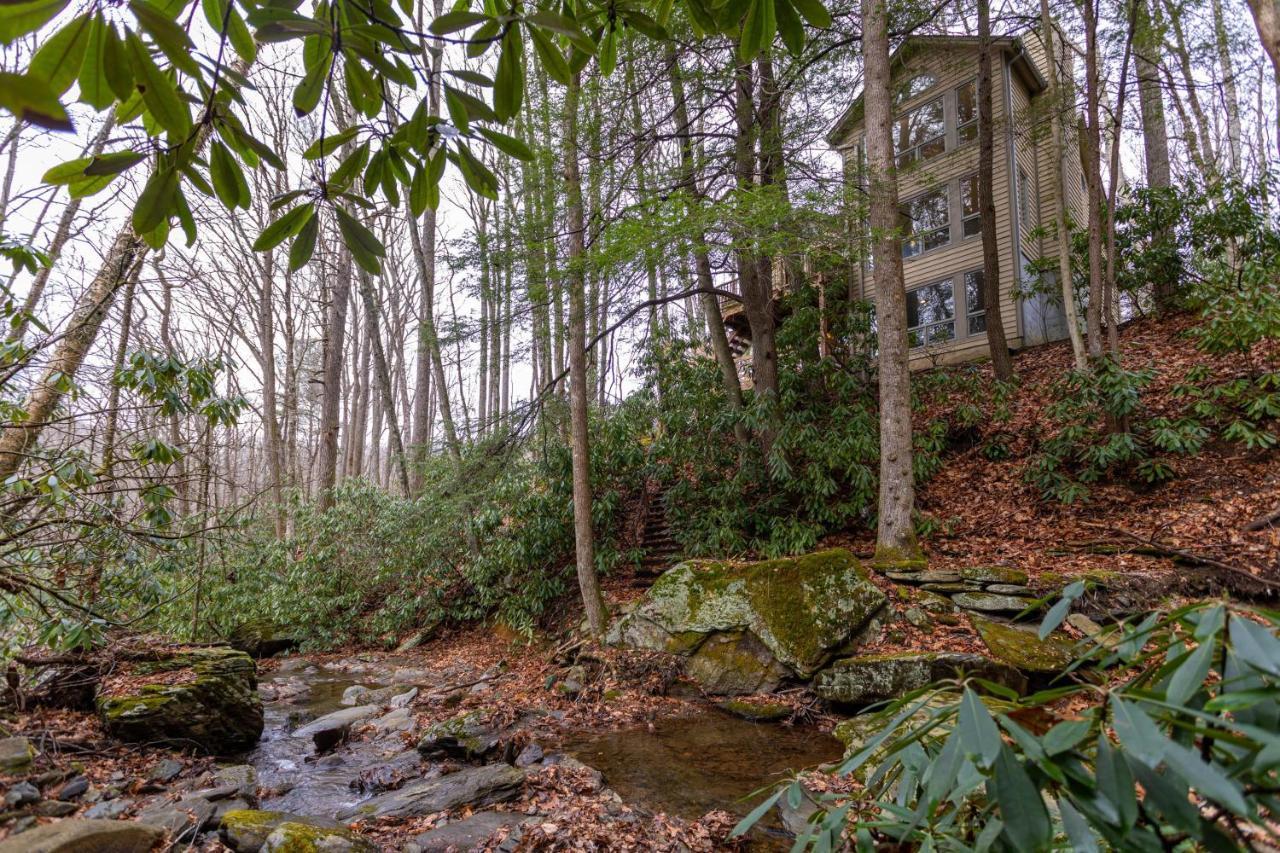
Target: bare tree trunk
1230, 93
113, 397
895, 535
1092, 137
1001, 363
584, 536
426, 255
428, 330
331, 378
383, 375
1155, 134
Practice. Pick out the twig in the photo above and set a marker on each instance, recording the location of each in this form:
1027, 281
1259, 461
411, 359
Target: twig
1188, 556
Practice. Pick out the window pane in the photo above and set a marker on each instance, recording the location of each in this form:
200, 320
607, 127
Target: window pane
973, 292
969, 195
942, 332
967, 132
928, 211
935, 303
973, 226
977, 325
967, 103
920, 125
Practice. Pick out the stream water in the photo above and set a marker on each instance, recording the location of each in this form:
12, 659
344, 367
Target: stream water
684, 767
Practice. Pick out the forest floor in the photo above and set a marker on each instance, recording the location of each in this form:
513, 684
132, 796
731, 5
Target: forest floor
1187, 538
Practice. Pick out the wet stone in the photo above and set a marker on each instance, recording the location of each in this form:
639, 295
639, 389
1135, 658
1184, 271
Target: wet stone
73, 788
473, 786
21, 794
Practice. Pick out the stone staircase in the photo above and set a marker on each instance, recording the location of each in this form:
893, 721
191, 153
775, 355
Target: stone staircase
661, 551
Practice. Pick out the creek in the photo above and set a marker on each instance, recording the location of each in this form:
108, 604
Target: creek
683, 766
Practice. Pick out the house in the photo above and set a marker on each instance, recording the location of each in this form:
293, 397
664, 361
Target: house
935, 131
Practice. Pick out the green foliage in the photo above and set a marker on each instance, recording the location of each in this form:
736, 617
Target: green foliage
1196, 710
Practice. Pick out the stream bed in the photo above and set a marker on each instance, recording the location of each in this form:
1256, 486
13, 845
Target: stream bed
683, 766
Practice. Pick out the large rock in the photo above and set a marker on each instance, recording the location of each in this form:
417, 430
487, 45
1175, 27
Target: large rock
207, 698
296, 837
1022, 647
735, 663
16, 754
989, 602
261, 638
330, 730
467, 736
247, 830
800, 609
866, 679
85, 836
473, 786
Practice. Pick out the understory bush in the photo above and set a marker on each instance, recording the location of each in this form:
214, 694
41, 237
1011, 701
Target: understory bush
1196, 710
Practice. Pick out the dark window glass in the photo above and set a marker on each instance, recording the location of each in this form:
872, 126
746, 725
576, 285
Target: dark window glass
973, 302
931, 312
920, 134
926, 223
967, 112
970, 213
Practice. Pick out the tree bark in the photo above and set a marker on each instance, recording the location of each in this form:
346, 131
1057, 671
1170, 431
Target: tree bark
895, 535
584, 537
382, 373
1001, 363
331, 377
1092, 137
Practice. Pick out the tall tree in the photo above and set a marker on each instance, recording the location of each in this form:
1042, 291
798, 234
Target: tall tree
895, 533
1001, 362
579, 394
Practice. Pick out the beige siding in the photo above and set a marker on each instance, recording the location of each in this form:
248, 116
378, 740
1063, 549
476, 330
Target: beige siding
953, 67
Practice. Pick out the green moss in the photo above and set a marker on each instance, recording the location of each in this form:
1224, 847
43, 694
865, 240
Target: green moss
1023, 648
905, 559
756, 711
304, 838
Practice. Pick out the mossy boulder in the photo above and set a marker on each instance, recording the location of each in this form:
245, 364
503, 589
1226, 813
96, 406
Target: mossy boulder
249, 830
467, 736
16, 755
800, 609
260, 638
295, 837
1022, 647
735, 663
865, 679
205, 698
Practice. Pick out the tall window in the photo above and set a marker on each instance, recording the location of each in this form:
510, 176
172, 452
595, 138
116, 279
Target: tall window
926, 222
1026, 202
973, 302
970, 212
920, 133
931, 312
967, 112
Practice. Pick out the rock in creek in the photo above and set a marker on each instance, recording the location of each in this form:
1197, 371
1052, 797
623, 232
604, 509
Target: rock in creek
466, 834
248, 831
866, 679
330, 730
203, 697
799, 610
466, 736
183, 819
261, 639
472, 786
85, 836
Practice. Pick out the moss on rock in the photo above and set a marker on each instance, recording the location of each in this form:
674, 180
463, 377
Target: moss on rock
1022, 647
865, 679
800, 608
993, 574
756, 711
216, 708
